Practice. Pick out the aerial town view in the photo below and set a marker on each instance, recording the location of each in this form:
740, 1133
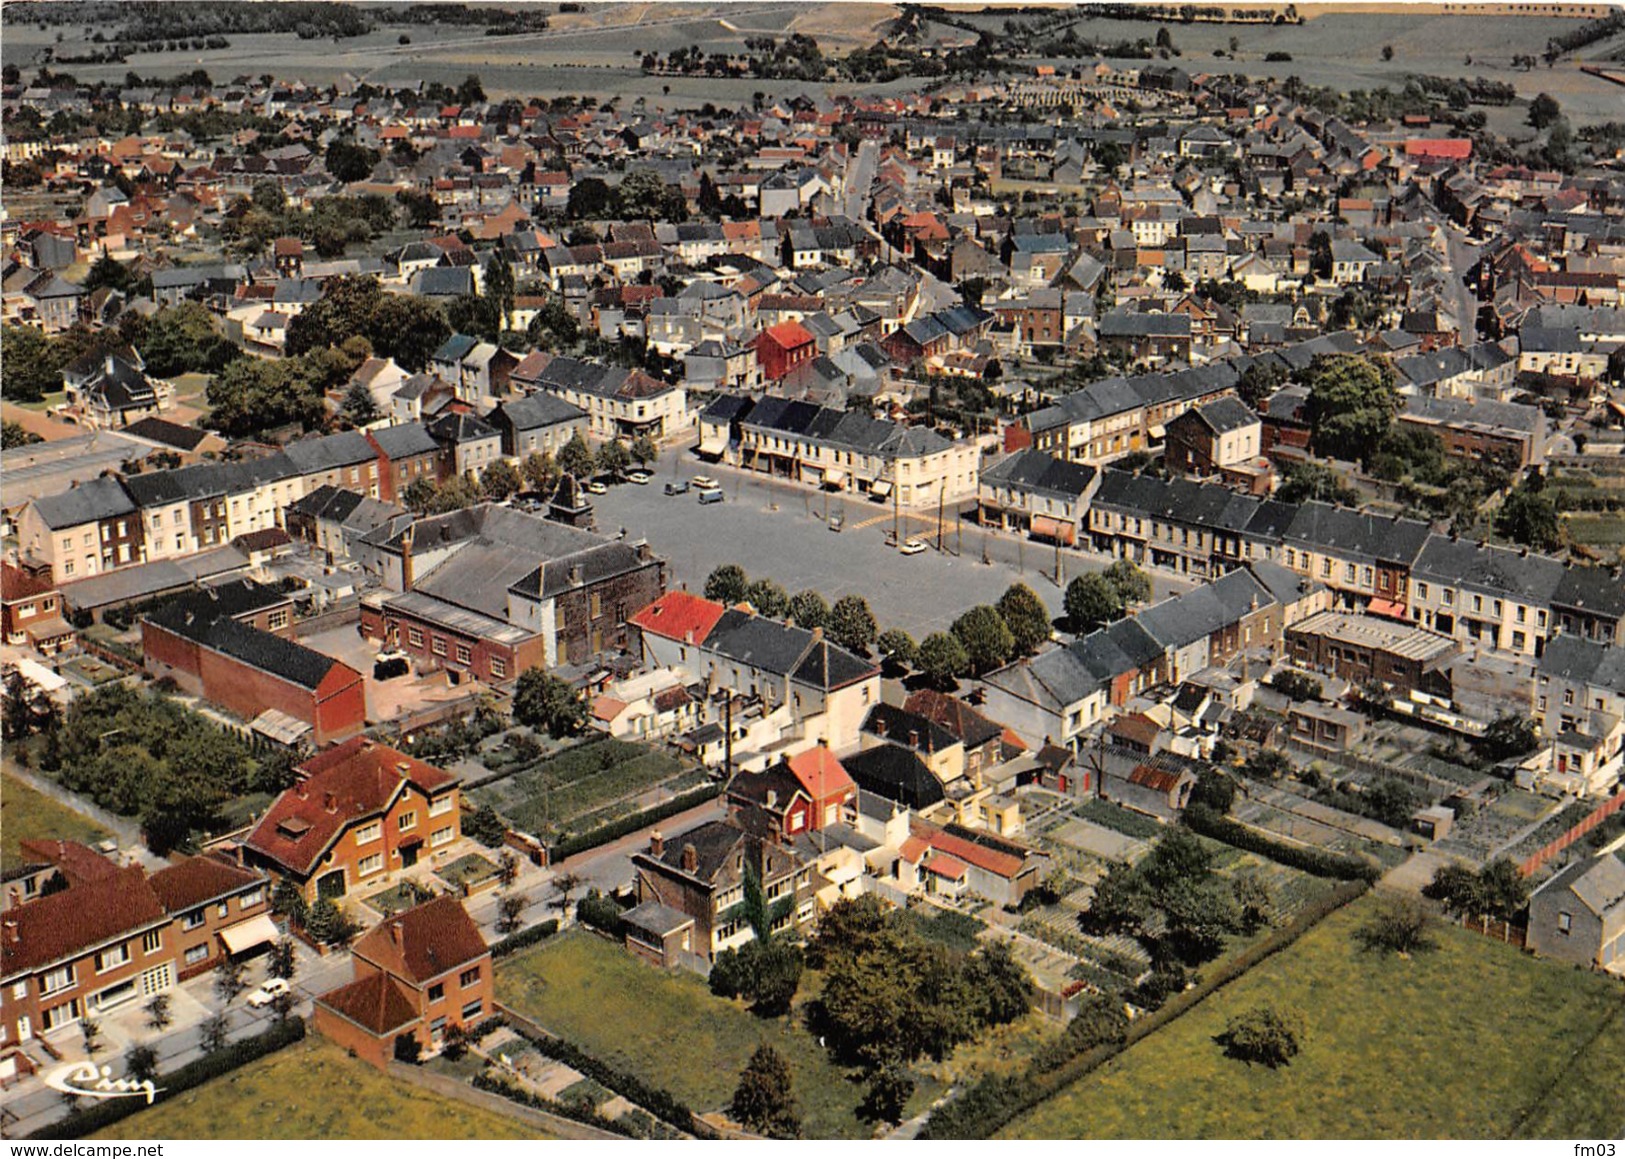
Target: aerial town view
829, 571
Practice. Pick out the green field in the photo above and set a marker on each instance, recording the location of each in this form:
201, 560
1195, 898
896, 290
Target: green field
25, 812
1472, 1040
587, 779
669, 1030
313, 1090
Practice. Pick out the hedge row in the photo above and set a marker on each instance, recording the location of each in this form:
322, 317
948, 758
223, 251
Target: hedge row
580, 1112
656, 1100
525, 938
1312, 861
615, 830
992, 1103
79, 1123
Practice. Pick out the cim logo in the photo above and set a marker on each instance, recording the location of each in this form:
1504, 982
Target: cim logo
91, 1081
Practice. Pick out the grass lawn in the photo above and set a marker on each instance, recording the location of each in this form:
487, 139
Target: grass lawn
25, 812
669, 1030
313, 1090
1472, 1040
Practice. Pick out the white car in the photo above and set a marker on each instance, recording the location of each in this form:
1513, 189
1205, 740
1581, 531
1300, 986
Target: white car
594, 487
638, 477
912, 547
268, 992
704, 481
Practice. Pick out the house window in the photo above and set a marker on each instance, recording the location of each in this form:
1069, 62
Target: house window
152, 941
277, 619
499, 668
437, 992
473, 1009
111, 958
196, 954
464, 654
414, 636
441, 805
1568, 697
441, 836
407, 821
57, 980
1565, 924
370, 864
438, 647
469, 976
193, 920
368, 833
252, 898
1421, 591
59, 1016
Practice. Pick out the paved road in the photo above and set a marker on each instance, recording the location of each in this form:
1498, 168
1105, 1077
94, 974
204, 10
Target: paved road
1463, 256
860, 179
776, 529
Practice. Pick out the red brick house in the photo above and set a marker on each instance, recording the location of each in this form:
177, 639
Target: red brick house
360, 811
220, 910
31, 610
825, 782
782, 348
248, 671
417, 974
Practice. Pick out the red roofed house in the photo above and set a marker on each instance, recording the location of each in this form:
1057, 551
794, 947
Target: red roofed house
782, 348
669, 628
956, 861
825, 782
418, 974
82, 935
31, 609
360, 812
1439, 148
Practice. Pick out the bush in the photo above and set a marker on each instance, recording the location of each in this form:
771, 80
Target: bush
1265, 1035
1297, 686
1311, 861
579, 1111
513, 943
79, 1123
600, 912
604, 834
662, 1103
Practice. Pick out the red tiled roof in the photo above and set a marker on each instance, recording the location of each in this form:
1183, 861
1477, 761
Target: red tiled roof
607, 707
788, 335
78, 863
1157, 780
945, 866
1005, 865
83, 916
377, 1002
820, 773
676, 615
425, 941
197, 880
17, 584
1448, 148
346, 783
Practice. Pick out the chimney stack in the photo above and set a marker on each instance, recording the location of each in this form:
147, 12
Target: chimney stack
395, 932
406, 561
657, 844
330, 802
691, 859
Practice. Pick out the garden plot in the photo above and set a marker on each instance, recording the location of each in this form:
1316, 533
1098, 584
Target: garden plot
582, 787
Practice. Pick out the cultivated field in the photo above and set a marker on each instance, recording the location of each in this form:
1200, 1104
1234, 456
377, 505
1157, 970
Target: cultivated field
1389, 1041
669, 1030
313, 1090
580, 788
26, 813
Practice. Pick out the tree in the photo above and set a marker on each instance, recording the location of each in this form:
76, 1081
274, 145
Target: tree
764, 1102
282, 961
213, 1032
13, 435
886, 1093
1297, 685
499, 288
508, 911
1026, 617
1002, 986
986, 639
1259, 381
644, 193
540, 470
1308, 480
349, 162
1133, 585
943, 658
576, 458
1214, 790
327, 924
1092, 600
251, 396
768, 598
542, 700
614, 458
852, 625
1398, 924
589, 198
485, 826
644, 451
809, 610
1351, 405
727, 584
228, 978
359, 406
1264, 1034
157, 1012
32, 366
1387, 52
500, 480
566, 884
105, 271
898, 646
1528, 516
1507, 737
90, 1031
141, 1063
1254, 903
1544, 111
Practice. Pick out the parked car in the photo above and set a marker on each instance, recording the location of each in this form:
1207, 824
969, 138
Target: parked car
711, 495
705, 481
268, 992
836, 522
594, 487
912, 547
640, 477
679, 487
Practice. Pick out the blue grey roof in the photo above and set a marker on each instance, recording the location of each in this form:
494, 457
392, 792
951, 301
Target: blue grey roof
100, 498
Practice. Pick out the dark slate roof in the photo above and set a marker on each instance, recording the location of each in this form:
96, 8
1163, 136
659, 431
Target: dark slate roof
169, 434
1033, 470
269, 653
784, 650
405, 440
234, 598
1494, 571
827, 666
895, 773
1358, 534
100, 498
327, 502
908, 728
1225, 414
539, 410
327, 452
1582, 661
1594, 590
461, 428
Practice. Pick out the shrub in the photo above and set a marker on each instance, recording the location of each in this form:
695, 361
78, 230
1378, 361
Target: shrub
604, 834
513, 943
1265, 1035
600, 912
1311, 861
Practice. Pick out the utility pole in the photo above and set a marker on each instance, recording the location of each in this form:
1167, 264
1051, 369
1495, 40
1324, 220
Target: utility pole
942, 490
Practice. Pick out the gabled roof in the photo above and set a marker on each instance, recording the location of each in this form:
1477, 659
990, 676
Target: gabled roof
954, 715
99, 498
198, 880
680, 616
820, 773
377, 1003
265, 651
89, 914
895, 773
424, 942
1033, 470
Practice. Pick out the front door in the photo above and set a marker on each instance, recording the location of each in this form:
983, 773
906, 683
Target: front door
25, 1029
330, 885
409, 856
